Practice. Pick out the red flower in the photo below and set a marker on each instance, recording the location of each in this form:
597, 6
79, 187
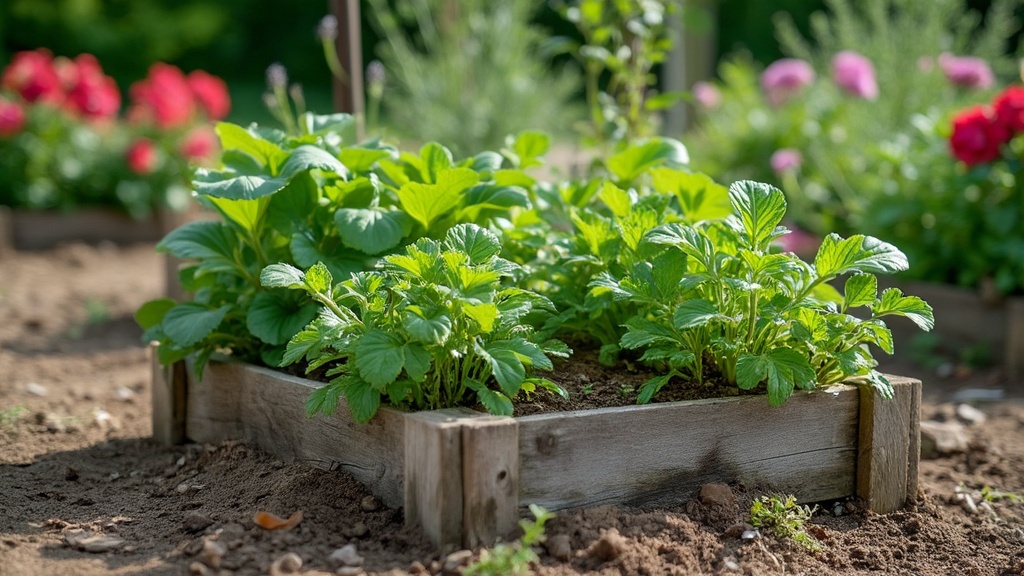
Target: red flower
211, 93
91, 93
12, 118
199, 145
141, 156
163, 97
1009, 106
977, 136
32, 74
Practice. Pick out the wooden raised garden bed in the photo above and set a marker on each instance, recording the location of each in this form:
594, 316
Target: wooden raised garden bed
41, 230
463, 476
964, 318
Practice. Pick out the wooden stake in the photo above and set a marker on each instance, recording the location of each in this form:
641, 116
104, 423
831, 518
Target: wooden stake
348, 96
889, 448
168, 400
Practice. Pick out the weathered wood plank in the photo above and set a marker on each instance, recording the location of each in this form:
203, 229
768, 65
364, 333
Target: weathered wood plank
168, 400
267, 408
433, 493
41, 230
889, 446
490, 479
660, 454
6, 231
1015, 341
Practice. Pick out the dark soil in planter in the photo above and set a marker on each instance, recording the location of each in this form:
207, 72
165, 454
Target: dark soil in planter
75, 454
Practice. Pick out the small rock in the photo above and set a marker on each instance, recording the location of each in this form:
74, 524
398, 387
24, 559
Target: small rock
967, 503
200, 569
969, 415
124, 394
53, 423
36, 389
349, 571
290, 563
71, 474
103, 420
737, 530
180, 462
837, 510
347, 555
359, 530
750, 535
942, 438
984, 505
417, 567
717, 495
369, 504
609, 546
559, 547
92, 542
196, 522
213, 552
456, 560
730, 563
1018, 534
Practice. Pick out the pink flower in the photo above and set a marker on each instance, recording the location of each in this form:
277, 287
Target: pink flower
977, 136
211, 93
966, 71
12, 118
91, 93
707, 95
784, 78
141, 156
855, 74
785, 159
163, 97
33, 76
199, 145
799, 242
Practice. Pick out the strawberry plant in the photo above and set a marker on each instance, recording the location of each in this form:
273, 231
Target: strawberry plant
433, 324
307, 199
719, 298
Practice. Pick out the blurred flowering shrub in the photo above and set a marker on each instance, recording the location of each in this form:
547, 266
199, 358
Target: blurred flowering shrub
64, 142
855, 129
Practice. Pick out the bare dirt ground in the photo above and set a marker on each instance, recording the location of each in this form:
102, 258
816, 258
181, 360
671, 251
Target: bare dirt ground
84, 491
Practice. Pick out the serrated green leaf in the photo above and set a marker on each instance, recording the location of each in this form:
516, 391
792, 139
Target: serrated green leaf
287, 211
782, 369
860, 290
247, 214
380, 358
478, 243
436, 158
212, 243
699, 197
283, 275
893, 302
635, 225
616, 199
641, 332
875, 332
629, 164
362, 159
651, 387
686, 238
342, 263
308, 157
363, 398
759, 209
189, 323
275, 319
485, 162
372, 230
234, 137
318, 278
668, 269
434, 330
417, 362
857, 254
324, 399
528, 352
245, 187
530, 146
493, 401
507, 368
483, 314
337, 123
308, 341
152, 313
608, 355
428, 202
694, 313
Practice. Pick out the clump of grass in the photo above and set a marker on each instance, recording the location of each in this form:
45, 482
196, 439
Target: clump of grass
9, 418
515, 558
782, 516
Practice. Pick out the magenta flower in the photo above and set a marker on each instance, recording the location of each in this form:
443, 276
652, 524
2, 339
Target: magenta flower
784, 78
966, 71
855, 74
786, 159
707, 95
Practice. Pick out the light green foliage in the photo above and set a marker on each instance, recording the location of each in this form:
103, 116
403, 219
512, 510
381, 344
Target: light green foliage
302, 200
467, 73
782, 516
9, 418
721, 295
849, 173
990, 494
513, 559
432, 325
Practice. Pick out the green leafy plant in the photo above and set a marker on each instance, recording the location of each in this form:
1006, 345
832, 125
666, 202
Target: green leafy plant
513, 559
9, 418
990, 494
304, 200
785, 518
721, 298
432, 325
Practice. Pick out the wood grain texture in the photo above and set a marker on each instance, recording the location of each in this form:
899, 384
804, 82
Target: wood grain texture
660, 454
1015, 342
433, 475
41, 230
490, 479
889, 446
267, 409
167, 400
